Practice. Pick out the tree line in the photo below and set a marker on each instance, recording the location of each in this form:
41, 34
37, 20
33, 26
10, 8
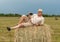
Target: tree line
19, 15
45, 15
9, 15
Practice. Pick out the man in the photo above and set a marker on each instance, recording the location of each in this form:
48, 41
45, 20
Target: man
38, 19
35, 19
23, 21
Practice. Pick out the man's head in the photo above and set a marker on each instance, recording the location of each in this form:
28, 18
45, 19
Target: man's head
39, 12
29, 15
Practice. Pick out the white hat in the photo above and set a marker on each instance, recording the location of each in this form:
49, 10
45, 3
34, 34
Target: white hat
40, 10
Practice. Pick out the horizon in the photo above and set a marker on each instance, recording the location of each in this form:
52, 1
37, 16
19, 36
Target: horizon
25, 6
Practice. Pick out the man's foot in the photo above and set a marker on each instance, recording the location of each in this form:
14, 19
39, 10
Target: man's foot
8, 28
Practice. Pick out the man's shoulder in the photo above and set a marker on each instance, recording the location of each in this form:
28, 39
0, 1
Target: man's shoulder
34, 15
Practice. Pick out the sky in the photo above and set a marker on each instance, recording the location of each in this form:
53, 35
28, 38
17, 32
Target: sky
25, 6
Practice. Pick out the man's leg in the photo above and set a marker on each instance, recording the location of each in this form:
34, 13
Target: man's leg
27, 24
21, 19
19, 24
14, 27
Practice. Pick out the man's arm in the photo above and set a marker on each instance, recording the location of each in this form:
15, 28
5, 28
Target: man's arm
42, 22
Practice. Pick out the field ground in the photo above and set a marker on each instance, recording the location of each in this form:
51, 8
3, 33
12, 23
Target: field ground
6, 36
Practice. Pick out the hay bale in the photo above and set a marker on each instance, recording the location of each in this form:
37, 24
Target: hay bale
33, 34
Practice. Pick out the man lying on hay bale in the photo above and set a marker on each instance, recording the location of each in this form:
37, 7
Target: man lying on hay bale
31, 20
36, 30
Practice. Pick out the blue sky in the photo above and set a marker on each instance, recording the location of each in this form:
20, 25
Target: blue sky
25, 6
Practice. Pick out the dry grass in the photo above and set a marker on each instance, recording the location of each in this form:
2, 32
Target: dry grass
6, 36
33, 34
